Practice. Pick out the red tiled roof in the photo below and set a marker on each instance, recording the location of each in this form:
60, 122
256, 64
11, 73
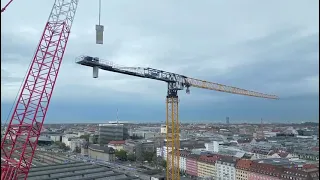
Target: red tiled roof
184, 153
309, 166
243, 164
193, 156
117, 142
267, 169
208, 158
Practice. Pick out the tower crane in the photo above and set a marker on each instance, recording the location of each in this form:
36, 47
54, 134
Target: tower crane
175, 83
24, 127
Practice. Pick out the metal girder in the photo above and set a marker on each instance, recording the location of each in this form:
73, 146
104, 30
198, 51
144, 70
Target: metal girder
177, 81
34, 98
173, 138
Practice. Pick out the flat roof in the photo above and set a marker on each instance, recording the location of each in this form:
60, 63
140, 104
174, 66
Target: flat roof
76, 170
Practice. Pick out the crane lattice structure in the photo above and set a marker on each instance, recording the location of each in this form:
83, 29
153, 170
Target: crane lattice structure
175, 83
23, 131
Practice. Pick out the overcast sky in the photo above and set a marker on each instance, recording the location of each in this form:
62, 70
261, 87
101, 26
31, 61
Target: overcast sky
267, 46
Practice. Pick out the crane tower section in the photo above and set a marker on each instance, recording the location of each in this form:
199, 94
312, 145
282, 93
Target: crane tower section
173, 138
21, 137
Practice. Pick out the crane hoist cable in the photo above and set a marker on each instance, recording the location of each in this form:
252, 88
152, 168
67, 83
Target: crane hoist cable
99, 11
99, 28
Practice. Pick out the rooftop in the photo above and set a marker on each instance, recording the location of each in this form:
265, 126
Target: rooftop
243, 164
76, 170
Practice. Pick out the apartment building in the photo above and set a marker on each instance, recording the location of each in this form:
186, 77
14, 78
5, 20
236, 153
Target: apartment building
226, 168
261, 171
183, 160
242, 168
192, 165
206, 166
307, 174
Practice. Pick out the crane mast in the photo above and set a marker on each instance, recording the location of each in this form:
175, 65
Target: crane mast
175, 83
23, 131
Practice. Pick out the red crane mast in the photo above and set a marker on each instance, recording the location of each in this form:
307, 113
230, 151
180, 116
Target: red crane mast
23, 131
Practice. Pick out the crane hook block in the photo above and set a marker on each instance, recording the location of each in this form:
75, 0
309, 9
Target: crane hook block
99, 34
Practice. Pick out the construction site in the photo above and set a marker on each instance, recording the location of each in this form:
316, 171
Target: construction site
19, 157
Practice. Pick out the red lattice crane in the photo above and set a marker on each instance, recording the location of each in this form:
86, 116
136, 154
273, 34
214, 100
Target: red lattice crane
23, 131
175, 83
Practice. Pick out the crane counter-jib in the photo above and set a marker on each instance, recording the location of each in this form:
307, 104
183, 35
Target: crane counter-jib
149, 73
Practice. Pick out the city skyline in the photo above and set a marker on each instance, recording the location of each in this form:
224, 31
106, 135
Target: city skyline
271, 52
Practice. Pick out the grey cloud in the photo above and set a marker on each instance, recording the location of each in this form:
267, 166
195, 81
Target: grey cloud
6, 77
196, 39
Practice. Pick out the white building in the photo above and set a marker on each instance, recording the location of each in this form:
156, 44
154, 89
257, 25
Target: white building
82, 133
183, 160
67, 138
213, 147
163, 129
226, 169
74, 143
162, 152
55, 137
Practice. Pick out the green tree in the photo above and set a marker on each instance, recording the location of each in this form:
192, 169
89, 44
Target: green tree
121, 155
86, 137
150, 156
62, 145
131, 157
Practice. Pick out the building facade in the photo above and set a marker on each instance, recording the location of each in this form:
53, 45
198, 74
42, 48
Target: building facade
101, 153
261, 171
139, 147
183, 160
226, 169
112, 132
206, 169
242, 168
206, 166
192, 165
